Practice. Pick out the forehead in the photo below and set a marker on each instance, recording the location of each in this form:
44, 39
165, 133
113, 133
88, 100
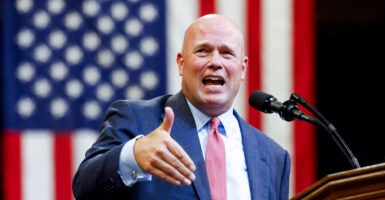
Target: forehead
215, 33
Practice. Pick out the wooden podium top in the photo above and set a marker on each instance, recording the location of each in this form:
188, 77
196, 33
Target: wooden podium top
356, 184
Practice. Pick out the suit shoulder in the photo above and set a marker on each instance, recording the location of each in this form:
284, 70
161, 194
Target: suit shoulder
160, 100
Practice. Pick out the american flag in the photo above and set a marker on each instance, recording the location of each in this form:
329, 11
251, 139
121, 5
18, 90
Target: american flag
65, 61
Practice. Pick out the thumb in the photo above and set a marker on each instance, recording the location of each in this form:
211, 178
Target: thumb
168, 119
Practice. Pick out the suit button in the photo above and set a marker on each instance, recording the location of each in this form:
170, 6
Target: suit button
108, 187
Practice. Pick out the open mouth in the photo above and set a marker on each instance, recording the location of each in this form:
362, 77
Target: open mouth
213, 81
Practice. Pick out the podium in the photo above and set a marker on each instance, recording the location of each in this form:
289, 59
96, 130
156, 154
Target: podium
357, 184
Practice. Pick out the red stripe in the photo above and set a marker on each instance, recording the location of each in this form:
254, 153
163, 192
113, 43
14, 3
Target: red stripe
206, 7
63, 162
253, 46
11, 151
304, 84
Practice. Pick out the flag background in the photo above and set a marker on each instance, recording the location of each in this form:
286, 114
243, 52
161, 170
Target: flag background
54, 91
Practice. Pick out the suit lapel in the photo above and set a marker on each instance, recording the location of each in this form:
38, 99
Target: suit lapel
185, 133
256, 161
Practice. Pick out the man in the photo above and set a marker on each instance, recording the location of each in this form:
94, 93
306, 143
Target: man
156, 149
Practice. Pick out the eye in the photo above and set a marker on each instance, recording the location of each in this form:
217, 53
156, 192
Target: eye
227, 54
202, 52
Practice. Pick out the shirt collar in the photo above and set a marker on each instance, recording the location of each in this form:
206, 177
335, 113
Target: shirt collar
201, 118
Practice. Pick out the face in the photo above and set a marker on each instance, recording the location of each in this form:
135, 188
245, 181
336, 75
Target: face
212, 64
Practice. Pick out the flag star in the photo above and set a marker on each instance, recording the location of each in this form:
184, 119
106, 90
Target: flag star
105, 58
25, 38
73, 20
41, 19
91, 75
149, 80
148, 46
74, 88
25, 72
42, 88
148, 12
119, 43
133, 60
91, 41
73, 55
58, 107
57, 39
91, 8
25, 107
24, 6
119, 11
42, 53
133, 27
105, 25
134, 92
104, 92
119, 78
91, 110
58, 71
55, 6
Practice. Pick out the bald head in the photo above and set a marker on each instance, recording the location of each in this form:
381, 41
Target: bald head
213, 24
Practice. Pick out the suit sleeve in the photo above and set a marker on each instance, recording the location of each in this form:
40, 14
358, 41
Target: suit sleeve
98, 175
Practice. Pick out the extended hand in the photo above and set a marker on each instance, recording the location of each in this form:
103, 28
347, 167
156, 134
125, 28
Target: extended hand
160, 155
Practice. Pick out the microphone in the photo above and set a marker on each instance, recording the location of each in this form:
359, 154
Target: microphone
287, 110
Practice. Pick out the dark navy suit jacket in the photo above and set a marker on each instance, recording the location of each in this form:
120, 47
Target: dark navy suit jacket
268, 164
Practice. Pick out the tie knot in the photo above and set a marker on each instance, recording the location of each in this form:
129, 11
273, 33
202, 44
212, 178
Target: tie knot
215, 122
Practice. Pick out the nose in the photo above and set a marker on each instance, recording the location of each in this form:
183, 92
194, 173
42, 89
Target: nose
215, 60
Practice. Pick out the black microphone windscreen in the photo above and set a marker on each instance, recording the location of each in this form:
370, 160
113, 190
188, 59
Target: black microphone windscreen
260, 101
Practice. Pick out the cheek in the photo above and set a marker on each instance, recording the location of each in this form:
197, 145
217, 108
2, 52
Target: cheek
236, 73
239, 72
194, 67
180, 69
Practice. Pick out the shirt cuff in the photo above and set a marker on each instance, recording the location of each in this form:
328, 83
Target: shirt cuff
129, 170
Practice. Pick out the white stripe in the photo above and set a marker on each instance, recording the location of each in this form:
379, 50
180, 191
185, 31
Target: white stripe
236, 11
179, 15
82, 141
37, 165
276, 63
277, 66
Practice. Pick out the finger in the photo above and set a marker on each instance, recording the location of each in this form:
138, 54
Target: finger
181, 169
181, 156
170, 171
165, 176
168, 119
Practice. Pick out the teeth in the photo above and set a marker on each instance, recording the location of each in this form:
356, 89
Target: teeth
213, 78
213, 81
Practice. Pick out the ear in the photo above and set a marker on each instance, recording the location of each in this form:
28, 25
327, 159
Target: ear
180, 62
245, 63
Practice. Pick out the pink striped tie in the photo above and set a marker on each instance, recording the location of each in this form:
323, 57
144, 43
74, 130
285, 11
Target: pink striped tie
216, 162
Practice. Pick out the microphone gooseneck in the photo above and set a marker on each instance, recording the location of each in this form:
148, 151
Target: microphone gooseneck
289, 111
330, 128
